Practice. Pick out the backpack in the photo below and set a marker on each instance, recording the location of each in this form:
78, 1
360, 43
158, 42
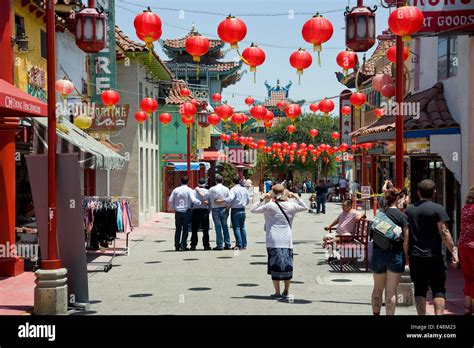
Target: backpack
384, 232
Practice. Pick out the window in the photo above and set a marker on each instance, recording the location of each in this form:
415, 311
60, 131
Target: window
142, 179
447, 57
19, 26
44, 49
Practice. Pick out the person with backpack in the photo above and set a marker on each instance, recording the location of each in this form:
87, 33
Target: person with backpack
389, 232
279, 213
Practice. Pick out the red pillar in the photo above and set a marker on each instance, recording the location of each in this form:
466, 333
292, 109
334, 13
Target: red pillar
51, 260
399, 123
188, 157
10, 266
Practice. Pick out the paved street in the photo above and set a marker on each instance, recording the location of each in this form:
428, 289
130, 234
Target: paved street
154, 279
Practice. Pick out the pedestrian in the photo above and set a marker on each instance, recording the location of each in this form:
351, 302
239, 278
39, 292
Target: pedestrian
200, 216
268, 185
305, 187
343, 183
321, 197
428, 233
345, 228
389, 257
218, 195
250, 189
354, 188
181, 201
238, 200
466, 250
279, 213
310, 186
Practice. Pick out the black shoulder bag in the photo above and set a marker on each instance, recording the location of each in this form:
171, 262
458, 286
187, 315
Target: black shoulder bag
286, 217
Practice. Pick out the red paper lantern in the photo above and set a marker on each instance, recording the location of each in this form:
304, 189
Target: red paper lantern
300, 60
261, 143
110, 97
216, 97
149, 105
148, 27
392, 54
291, 129
317, 31
64, 87
347, 60
357, 99
232, 30
281, 105
187, 109
293, 146
245, 118
326, 106
185, 92
213, 119
187, 120
225, 138
237, 119
343, 147
292, 111
314, 107
381, 80
315, 158
335, 135
346, 110
268, 116
235, 136
313, 133
388, 91
224, 111
405, 20
379, 112
141, 116
253, 56
165, 118
258, 112
249, 101
197, 46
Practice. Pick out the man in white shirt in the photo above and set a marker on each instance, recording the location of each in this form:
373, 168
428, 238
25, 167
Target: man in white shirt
201, 216
217, 199
181, 201
238, 200
343, 184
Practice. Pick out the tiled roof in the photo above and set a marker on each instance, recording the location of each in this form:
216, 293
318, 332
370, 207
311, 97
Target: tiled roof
434, 114
174, 96
275, 97
218, 67
181, 43
125, 44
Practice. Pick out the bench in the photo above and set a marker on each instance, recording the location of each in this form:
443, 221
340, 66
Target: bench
355, 247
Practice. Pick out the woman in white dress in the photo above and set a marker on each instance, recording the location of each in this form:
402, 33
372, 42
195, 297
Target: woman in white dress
250, 188
279, 213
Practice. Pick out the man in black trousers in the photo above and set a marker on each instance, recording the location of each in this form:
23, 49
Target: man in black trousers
201, 216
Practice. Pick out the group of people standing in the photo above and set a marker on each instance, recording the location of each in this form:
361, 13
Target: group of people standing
193, 206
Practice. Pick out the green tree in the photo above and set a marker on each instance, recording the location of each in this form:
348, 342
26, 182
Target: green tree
228, 172
325, 126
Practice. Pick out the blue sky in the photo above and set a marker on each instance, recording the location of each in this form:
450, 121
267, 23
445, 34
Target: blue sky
317, 82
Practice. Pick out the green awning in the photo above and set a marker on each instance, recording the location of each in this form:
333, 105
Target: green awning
103, 157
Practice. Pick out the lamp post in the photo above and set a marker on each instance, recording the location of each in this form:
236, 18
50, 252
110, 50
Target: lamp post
399, 119
90, 29
360, 27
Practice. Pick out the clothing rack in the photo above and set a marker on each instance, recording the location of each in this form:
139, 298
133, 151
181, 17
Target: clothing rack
107, 265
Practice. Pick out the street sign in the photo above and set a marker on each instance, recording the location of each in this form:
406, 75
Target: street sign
365, 190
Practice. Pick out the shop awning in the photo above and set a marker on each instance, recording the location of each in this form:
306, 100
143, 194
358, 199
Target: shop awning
213, 156
92, 153
16, 103
183, 166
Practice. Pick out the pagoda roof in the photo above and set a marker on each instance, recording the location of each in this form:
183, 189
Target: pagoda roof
126, 47
216, 67
180, 44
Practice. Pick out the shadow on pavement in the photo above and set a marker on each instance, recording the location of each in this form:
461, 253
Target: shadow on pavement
345, 302
259, 297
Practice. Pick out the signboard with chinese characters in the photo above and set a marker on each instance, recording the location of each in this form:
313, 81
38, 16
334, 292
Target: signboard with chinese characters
411, 146
110, 120
345, 122
103, 64
454, 16
37, 83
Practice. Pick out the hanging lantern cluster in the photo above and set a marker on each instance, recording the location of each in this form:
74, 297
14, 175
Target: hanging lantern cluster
187, 111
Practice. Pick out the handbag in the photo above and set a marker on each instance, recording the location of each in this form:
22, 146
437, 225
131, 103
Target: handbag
384, 232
